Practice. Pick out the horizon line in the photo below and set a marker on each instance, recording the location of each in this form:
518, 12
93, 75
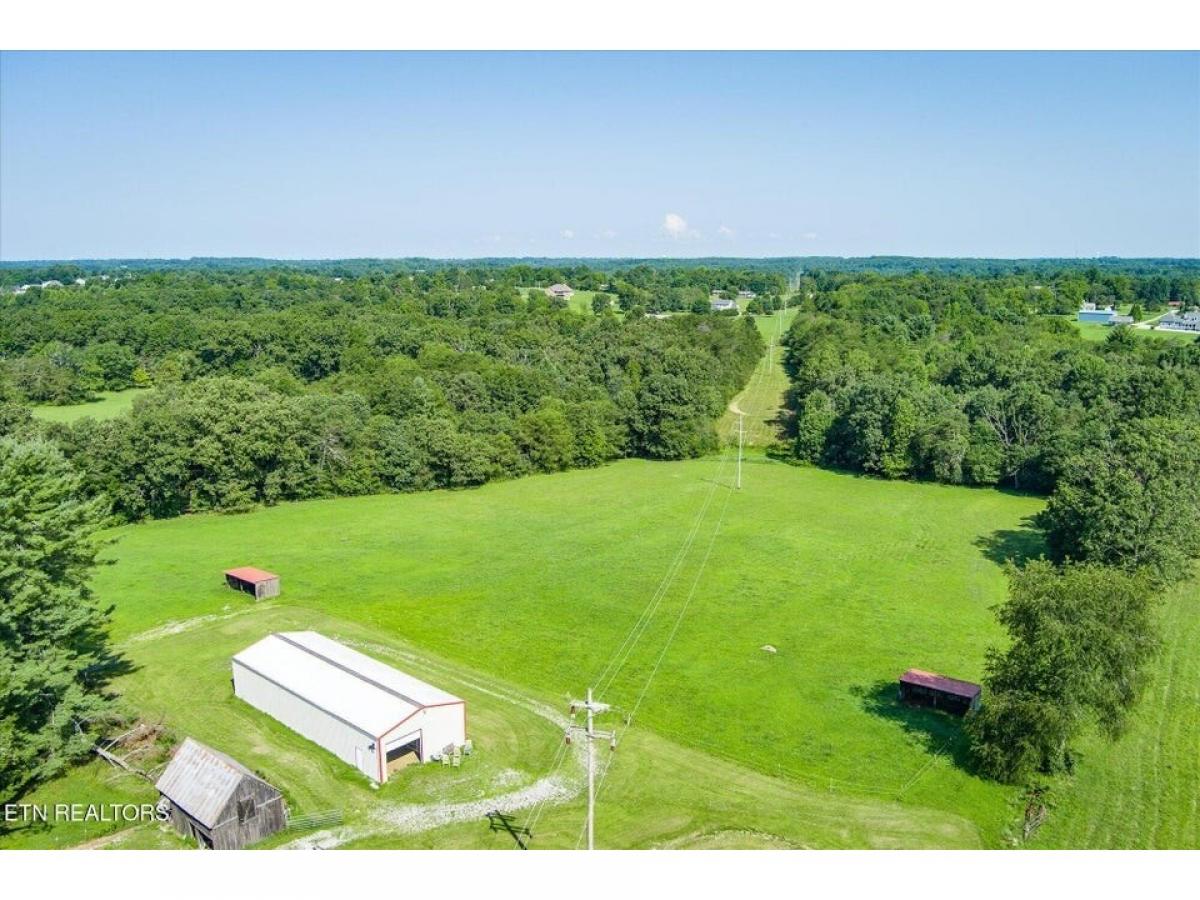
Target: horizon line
326, 259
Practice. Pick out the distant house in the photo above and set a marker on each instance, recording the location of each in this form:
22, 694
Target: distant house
1187, 321
747, 295
255, 582
81, 281
921, 688
217, 801
560, 291
52, 283
722, 304
1121, 320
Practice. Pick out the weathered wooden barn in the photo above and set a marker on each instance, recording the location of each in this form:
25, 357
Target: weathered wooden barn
255, 582
366, 713
921, 688
217, 801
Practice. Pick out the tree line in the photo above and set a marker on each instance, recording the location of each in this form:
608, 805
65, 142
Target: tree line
284, 386
982, 381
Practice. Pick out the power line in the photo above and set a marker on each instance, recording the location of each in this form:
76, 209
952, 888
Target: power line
623, 652
592, 708
621, 655
670, 639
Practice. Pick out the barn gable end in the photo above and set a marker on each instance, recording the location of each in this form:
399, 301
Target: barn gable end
217, 800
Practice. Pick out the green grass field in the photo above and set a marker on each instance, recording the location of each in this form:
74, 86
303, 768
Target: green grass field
537, 581
110, 404
519, 594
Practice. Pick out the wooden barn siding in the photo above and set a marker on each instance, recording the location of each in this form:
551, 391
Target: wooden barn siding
259, 591
228, 834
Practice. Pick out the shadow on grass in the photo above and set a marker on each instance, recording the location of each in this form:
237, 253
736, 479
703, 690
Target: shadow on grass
1017, 546
938, 732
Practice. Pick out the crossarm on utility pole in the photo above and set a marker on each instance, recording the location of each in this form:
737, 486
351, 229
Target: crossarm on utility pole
591, 707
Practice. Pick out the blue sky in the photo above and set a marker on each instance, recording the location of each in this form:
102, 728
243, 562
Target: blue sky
616, 154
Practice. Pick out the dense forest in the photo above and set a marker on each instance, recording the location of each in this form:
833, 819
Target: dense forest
273, 385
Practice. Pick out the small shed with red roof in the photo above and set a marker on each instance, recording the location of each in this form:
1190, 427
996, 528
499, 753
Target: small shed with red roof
922, 688
255, 582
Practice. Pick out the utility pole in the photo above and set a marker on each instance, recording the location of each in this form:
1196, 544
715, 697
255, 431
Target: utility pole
591, 707
741, 435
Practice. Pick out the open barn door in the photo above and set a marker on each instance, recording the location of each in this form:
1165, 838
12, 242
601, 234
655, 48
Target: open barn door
403, 751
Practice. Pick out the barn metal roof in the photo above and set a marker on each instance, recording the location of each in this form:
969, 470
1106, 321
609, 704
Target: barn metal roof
200, 781
363, 692
941, 683
251, 574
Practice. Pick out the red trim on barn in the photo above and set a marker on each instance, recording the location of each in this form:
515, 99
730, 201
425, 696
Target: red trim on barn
379, 740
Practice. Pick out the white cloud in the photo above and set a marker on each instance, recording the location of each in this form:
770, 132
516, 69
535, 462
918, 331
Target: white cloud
810, 235
726, 231
568, 233
676, 226
773, 235
608, 234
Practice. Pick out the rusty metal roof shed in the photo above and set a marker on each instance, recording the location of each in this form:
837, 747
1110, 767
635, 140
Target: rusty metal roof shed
942, 683
250, 574
201, 780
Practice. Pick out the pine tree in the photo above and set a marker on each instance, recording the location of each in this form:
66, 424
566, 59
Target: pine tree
54, 658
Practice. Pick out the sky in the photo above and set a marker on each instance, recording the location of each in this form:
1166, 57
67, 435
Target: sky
334, 155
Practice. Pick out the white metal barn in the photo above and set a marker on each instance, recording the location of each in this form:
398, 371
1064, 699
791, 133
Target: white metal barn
364, 712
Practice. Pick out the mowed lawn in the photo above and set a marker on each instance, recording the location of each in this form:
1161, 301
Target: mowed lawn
763, 397
1097, 332
580, 301
110, 405
537, 581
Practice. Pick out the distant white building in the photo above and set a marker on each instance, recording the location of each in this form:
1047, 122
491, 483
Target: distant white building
1090, 313
1187, 321
560, 291
722, 304
747, 295
363, 711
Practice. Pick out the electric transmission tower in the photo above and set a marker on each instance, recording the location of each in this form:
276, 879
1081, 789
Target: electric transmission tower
591, 707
